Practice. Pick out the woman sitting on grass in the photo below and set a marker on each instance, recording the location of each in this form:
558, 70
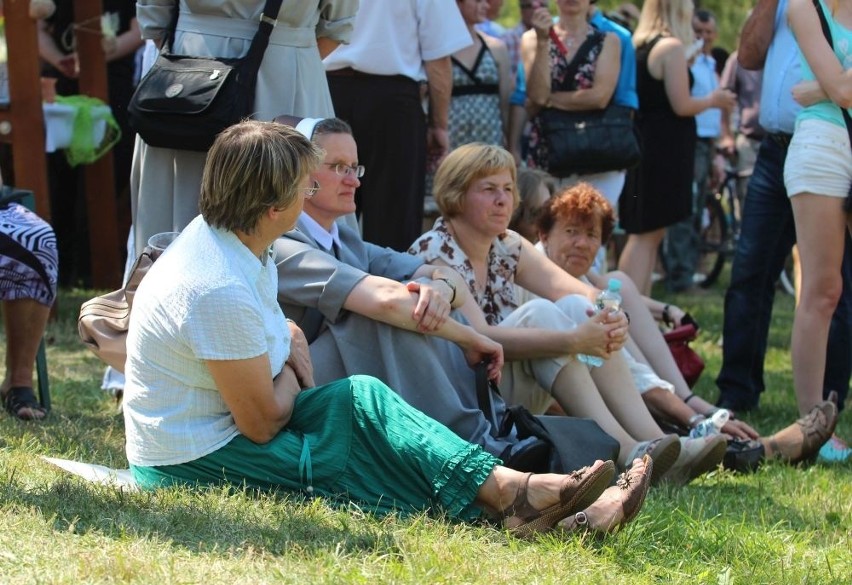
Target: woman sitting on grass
214, 394
572, 226
544, 340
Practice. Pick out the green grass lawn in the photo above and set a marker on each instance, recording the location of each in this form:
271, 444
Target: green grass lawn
779, 525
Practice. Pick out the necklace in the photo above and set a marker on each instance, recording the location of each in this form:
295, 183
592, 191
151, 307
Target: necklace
571, 40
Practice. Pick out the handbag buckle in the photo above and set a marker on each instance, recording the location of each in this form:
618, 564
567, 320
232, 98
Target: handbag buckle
270, 21
174, 90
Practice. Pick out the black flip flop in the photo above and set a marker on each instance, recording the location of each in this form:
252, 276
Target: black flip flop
20, 397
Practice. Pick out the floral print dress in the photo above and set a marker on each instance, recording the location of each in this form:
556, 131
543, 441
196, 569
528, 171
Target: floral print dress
559, 69
497, 300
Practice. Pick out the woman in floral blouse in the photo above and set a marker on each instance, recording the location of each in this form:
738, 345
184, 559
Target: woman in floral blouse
476, 193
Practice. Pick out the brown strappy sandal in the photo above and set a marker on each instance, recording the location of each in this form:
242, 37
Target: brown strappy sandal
579, 489
632, 488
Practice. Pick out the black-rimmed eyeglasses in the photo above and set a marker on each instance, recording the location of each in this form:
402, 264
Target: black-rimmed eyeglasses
346, 170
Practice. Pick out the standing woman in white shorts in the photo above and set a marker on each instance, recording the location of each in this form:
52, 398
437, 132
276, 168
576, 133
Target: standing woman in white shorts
818, 175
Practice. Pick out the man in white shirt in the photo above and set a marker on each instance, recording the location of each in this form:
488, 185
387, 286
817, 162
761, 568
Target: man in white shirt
375, 86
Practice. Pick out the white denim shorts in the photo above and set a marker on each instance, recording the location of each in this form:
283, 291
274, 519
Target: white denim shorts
819, 160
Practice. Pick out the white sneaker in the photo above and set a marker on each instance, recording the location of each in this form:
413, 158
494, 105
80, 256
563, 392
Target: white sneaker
697, 456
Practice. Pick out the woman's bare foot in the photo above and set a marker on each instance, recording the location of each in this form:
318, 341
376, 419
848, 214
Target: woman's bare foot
541, 500
618, 505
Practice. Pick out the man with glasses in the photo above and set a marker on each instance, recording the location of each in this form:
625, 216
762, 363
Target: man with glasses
354, 302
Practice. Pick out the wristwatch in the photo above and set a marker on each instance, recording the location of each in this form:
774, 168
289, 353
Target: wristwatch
450, 284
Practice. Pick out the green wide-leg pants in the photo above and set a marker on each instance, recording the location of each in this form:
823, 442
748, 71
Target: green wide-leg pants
351, 440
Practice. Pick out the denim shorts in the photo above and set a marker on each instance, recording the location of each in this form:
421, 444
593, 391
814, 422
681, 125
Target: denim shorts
819, 160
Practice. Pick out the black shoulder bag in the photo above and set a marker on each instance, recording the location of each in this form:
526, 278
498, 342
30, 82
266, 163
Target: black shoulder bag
184, 102
847, 206
564, 443
588, 141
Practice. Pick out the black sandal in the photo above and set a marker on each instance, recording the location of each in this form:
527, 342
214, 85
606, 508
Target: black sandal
19, 398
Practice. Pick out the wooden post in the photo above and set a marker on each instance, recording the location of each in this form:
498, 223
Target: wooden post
22, 121
104, 240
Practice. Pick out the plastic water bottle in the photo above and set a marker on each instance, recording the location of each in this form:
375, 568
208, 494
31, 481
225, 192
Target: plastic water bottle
607, 300
712, 425
610, 299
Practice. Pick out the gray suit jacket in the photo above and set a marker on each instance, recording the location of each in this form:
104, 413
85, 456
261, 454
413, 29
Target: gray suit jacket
429, 372
313, 284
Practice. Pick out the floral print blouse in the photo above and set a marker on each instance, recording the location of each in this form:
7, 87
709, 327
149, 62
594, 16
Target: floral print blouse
497, 300
559, 69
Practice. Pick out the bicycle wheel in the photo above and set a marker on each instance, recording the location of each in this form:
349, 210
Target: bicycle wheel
714, 237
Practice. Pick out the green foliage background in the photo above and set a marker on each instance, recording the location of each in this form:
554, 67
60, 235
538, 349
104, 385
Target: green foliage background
730, 15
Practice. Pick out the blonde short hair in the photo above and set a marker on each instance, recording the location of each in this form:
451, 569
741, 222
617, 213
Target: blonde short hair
251, 167
463, 166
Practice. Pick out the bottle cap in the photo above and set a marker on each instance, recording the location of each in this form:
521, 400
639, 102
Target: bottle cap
720, 418
614, 284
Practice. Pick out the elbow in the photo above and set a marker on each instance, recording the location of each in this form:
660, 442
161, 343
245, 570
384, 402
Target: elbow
843, 96
682, 111
749, 61
536, 101
602, 102
259, 436
263, 430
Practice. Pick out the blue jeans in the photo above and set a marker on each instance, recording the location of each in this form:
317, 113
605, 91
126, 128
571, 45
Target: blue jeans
767, 235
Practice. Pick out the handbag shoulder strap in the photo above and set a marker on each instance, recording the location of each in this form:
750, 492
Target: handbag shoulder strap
826, 30
268, 21
582, 52
484, 387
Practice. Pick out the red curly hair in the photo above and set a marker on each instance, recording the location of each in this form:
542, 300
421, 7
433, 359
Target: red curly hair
580, 202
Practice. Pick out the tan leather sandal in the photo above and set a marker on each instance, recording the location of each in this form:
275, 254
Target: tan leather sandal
802, 440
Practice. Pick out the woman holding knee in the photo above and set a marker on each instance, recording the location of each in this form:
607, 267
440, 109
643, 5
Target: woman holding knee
475, 191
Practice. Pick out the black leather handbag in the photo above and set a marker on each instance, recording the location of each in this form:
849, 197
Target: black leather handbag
592, 141
183, 102
563, 443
